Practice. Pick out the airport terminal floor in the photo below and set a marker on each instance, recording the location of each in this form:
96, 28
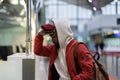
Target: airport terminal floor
111, 63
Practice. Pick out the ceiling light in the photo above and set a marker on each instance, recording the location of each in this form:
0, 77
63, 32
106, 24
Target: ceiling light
90, 1
94, 8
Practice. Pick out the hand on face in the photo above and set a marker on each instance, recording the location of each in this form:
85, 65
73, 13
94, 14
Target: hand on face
53, 35
42, 32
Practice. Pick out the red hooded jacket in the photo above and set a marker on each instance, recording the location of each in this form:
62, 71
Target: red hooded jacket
84, 59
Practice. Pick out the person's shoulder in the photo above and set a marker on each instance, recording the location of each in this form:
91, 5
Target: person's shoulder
82, 46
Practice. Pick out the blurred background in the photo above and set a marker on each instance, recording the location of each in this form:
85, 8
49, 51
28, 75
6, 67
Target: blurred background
95, 22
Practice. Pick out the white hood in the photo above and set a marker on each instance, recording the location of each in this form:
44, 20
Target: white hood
64, 32
65, 35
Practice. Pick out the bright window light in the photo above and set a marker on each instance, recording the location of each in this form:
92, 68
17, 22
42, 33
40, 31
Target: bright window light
115, 0
1, 1
14, 1
115, 31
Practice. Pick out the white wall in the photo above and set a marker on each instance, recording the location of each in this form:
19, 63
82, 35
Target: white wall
10, 70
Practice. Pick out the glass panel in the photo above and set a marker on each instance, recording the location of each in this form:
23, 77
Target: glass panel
109, 9
76, 14
67, 11
73, 21
62, 2
118, 7
113, 2
84, 13
81, 24
51, 2
51, 11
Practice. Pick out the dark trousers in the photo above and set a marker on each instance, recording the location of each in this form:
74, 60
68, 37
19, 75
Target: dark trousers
55, 75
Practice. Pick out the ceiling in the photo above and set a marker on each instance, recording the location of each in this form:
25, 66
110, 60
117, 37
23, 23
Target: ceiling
87, 4
9, 11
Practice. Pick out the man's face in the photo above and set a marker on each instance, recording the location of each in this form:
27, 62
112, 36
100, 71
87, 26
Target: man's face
53, 35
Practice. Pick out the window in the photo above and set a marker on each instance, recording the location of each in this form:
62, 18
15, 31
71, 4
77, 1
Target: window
51, 11
58, 8
112, 8
118, 7
67, 11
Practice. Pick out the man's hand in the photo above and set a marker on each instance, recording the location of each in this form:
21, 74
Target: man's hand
42, 32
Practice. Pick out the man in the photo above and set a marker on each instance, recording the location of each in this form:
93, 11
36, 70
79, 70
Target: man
62, 64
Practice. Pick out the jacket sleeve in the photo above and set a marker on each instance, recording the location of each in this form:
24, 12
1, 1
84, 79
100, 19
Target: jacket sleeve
85, 63
39, 49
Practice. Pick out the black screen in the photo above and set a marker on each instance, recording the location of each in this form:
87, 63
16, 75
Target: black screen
118, 21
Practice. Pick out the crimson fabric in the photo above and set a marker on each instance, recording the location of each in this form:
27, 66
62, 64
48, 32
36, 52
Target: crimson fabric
48, 27
84, 59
